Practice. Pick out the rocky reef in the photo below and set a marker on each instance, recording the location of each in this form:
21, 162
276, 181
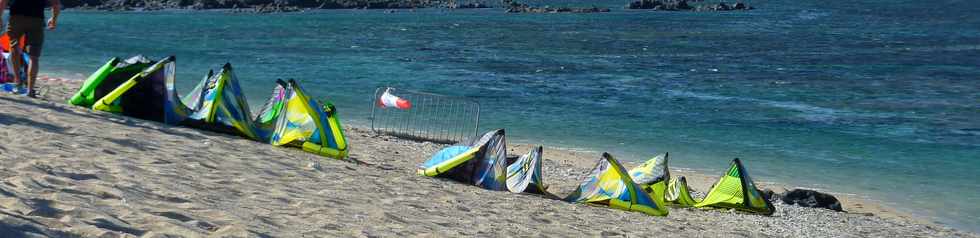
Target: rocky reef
685, 5
256, 5
516, 7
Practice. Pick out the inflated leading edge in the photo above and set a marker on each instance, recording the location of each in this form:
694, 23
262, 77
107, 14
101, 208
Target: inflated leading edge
141, 88
480, 162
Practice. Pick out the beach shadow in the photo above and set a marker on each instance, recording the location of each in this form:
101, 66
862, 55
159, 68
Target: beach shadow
12, 119
47, 105
21, 230
122, 120
108, 225
8, 229
7, 194
173, 215
129, 143
545, 195
44, 208
260, 234
169, 130
162, 127
145, 124
356, 161
548, 195
184, 218
76, 176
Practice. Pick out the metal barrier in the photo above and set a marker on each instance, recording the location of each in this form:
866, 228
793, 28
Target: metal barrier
428, 116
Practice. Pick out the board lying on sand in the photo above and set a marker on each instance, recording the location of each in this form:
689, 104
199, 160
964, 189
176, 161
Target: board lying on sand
610, 184
481, 162
144, 89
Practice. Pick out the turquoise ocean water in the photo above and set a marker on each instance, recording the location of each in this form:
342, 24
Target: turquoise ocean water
876, 98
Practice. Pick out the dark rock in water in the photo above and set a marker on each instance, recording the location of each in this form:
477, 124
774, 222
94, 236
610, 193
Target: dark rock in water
810, 198
722, 6
661, 5
515, 7
740, 6
274, 8
682, 5
455, 5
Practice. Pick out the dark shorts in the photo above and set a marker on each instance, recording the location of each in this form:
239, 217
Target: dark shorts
32, 27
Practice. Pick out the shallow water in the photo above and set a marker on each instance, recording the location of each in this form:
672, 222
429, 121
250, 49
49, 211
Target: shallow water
883, 102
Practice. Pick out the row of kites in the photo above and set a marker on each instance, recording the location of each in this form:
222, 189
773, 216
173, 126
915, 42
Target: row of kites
647, 188
142, 88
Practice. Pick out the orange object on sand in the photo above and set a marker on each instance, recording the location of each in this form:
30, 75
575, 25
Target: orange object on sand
5, 42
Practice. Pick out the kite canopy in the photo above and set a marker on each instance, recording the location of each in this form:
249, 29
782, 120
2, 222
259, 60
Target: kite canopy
610, 184
107, 78
217, 103
480, 162
303, 122
679, 193
144, 89
142, 95
736, 190
652, 176
524, 175
270, 111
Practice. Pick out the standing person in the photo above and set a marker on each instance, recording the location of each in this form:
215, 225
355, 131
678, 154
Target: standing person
27, 19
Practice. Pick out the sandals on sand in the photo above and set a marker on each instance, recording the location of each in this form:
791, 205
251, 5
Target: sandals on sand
18, 90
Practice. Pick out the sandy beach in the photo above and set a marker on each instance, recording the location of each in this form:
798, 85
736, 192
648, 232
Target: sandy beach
69, 171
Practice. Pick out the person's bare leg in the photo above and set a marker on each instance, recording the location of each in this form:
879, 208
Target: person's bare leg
32, 74
16, 60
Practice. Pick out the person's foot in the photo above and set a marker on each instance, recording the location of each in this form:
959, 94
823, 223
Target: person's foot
30, 93
21, 90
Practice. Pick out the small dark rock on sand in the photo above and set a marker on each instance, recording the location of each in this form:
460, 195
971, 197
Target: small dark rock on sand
810, 198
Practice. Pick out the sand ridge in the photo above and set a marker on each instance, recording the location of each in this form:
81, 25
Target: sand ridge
69, 171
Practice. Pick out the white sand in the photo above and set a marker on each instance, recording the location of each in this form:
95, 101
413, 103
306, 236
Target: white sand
69, 171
